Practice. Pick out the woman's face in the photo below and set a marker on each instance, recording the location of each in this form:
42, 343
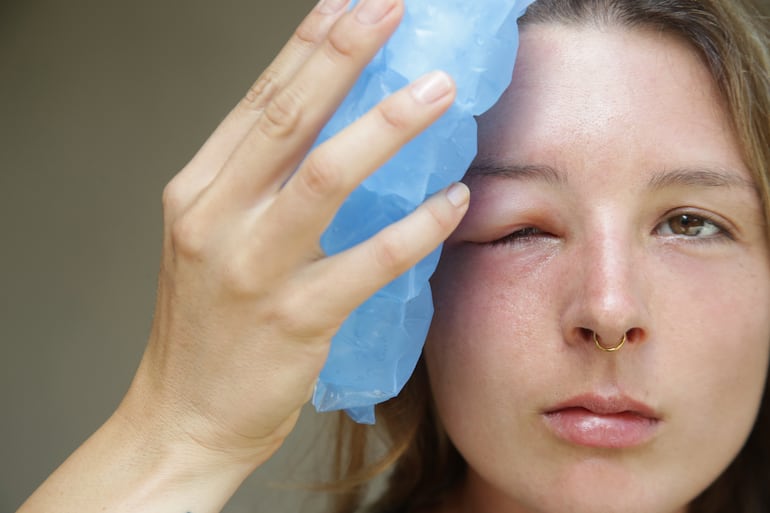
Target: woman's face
609, 197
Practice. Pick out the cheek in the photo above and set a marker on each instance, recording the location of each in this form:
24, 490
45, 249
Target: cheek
486, 311
713, 321
711, 318
478, 306
713, 337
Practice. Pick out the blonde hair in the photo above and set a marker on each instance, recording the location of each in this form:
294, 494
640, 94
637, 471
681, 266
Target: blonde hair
732, 38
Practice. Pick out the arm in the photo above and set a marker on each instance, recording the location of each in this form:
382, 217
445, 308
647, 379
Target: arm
121, 469
239, 334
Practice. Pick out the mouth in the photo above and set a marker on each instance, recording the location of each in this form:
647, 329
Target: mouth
614, 422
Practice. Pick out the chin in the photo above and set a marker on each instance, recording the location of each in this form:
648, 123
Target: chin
604, 498
592, 483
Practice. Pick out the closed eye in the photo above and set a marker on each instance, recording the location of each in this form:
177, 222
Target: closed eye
521, 235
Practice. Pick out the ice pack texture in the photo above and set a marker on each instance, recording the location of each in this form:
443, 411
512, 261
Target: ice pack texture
475, 41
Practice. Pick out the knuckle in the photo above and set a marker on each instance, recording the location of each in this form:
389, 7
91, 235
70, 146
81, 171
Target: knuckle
438, 217
319, 175
286, 313
394, 118
173, 198
187, 237
294, 313
237, 275
390, 253
261, 91
282, 114
308, 33
339, 45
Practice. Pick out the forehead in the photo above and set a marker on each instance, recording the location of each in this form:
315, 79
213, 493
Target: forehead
584, 93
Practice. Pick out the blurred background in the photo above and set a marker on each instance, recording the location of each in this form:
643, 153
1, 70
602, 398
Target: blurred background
101, 103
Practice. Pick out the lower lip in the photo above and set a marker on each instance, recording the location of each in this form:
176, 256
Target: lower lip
612, 431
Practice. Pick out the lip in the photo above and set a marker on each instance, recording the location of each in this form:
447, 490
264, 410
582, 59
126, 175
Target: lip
613, 422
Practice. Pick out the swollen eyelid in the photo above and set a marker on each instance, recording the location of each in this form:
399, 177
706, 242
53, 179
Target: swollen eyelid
520, 235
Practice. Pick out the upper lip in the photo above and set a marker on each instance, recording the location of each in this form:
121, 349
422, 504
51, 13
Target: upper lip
606, 405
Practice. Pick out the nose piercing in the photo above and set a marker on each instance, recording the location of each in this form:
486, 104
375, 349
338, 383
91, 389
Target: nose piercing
609, 349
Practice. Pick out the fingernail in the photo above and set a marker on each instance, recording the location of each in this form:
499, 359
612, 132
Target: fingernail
371, 11
431, 87
331, 6
458, 194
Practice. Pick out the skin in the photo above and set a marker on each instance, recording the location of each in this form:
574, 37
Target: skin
239, 336
600, 247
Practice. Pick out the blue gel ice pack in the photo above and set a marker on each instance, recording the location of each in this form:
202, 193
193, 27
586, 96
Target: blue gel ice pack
475, 41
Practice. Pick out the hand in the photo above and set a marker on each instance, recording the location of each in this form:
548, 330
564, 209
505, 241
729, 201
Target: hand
247, 301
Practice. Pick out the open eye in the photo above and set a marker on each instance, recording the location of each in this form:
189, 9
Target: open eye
692, 226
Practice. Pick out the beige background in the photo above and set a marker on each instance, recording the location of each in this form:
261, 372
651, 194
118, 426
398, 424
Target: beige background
101, 101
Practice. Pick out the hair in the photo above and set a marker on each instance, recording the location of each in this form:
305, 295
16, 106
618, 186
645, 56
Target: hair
731, 36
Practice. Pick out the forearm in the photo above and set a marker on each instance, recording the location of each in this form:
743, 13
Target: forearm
120, 469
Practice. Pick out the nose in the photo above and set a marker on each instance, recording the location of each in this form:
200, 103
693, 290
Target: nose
606, 289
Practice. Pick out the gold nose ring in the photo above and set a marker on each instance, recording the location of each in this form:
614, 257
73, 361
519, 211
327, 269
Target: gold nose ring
609, 349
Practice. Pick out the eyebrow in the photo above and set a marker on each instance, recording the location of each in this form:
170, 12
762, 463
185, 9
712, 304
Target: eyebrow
699, 178
692, 177
525, 172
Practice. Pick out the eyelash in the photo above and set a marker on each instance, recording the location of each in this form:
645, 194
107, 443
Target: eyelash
707, 223
523, 234
532, 232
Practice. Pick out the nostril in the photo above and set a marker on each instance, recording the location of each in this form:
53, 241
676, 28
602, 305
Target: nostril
635, 335
586, 334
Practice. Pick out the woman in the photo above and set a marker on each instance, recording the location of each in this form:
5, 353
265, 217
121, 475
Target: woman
595, 223
601, 336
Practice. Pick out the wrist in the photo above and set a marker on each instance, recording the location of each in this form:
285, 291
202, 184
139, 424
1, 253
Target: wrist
179, 442
127, 466
159, 472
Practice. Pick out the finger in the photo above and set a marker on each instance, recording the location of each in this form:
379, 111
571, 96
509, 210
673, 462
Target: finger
351, 277
311, 198
231, 131
295, 115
